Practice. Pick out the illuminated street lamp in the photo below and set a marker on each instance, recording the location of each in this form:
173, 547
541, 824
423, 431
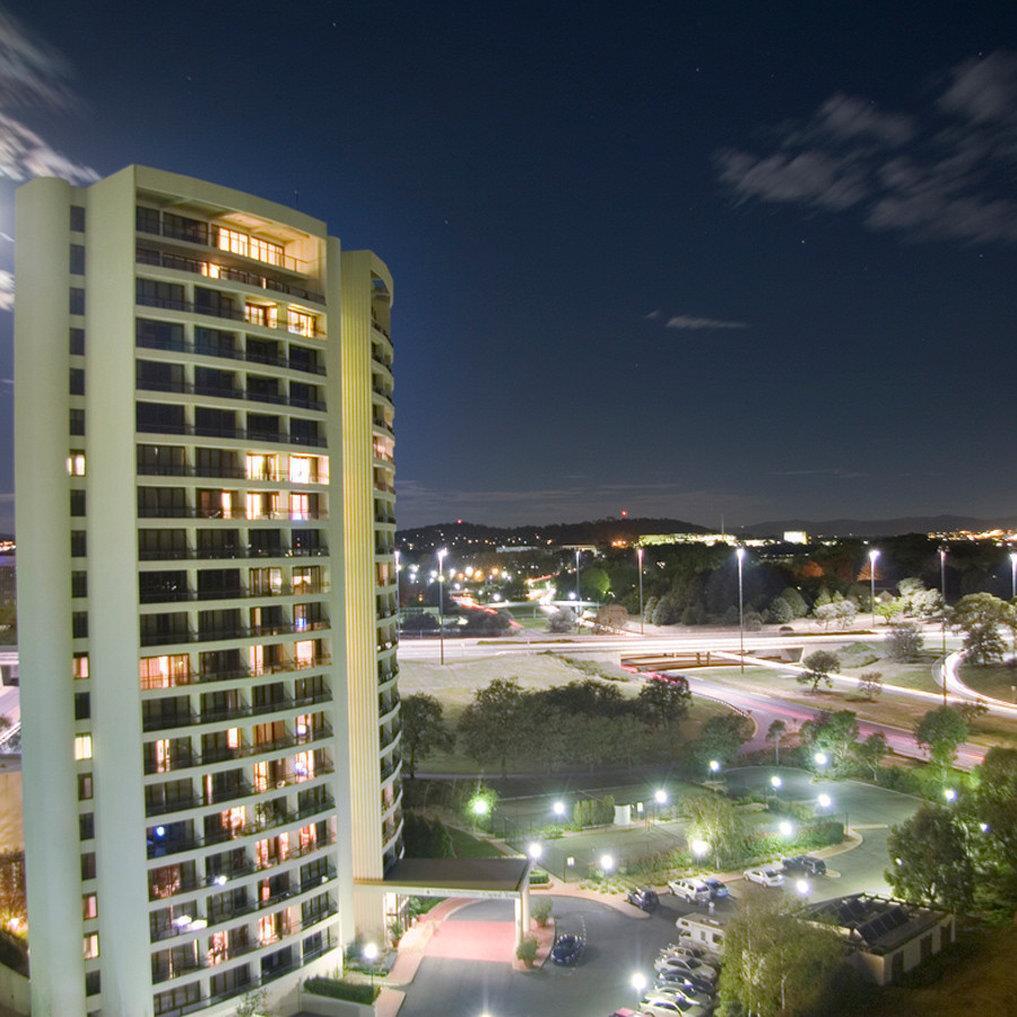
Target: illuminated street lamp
785, 828
873, 555
950, 794
775, 782
660, 796
699, 847
638, 982
942, 591
534, 850
480, 807
639, 559
821, 759
740, 555
558, 808
371, 955
824, 801
441, 604
714, 765
1013, 574
606, 863
802, 887
579, 596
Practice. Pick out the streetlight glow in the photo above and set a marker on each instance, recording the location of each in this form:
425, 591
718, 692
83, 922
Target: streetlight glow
821, 759
802, 886
699, 847
639, 558
558, 808
873, 555
370, 952
740, 555
534, 850
441, 604
607, 862
775, 782
950, 794
660, 796
824, 801
479, 807
785, 827
638, 981
714, 765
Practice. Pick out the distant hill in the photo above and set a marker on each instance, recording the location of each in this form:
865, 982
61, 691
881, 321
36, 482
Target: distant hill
595, 531
874, 527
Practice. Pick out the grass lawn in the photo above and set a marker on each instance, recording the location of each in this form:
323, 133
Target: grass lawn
856, 658
887, 709
454, 685
525, 617
468, 846
978, 977
990, 679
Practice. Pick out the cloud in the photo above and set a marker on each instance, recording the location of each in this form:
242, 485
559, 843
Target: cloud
6, 290
652, 316
32, 75
944, 173
688, 323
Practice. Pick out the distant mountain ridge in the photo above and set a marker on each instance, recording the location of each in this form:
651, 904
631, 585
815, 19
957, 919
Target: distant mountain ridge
876, 527
591, 531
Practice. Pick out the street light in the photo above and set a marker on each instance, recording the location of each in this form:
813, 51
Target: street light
579, 596
775, 782
714, 765
1013, 574
699, 847
660, 796
824, 801
950, 794
534, 850
639, 558
785, 828
821, 759
558, 808
942, 592
802, 886
638, 981
479, 807
441, 604
371, 955
606, 863
740, 555
873, 555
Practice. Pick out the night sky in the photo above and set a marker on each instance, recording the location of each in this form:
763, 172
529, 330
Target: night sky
682, 259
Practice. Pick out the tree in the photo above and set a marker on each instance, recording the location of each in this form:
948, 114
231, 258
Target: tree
253, 1004
942, 731
905, 641
526, 951
424, 729
664, 702
426, 838
870, 684
611, 617
594, 583
774, 733
715, 819
776, 963
722, 737
561, 620
917, 601
666, 612
781, 612
819, 664
995, 799
929, 860
489, 726
979, 616
825, 614
871, 752
833, 733
796, 601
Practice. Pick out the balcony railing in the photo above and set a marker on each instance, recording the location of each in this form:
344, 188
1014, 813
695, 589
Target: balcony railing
224, 310
211, 350
235, 433
211, 270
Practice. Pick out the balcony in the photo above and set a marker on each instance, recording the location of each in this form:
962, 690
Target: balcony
167, 638
211, 270
209, 350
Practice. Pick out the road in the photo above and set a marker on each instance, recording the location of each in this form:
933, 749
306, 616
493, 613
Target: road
766, 709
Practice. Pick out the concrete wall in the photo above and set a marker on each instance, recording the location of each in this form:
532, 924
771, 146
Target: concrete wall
15, 992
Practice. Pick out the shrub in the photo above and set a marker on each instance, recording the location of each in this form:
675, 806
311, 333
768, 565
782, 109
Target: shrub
526, 951
339, 988
541, 911
538, 877
396, 930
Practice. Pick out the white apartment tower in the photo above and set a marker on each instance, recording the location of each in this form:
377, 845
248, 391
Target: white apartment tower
206, 593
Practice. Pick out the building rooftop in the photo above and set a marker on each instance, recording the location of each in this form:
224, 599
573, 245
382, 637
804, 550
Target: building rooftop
499, 875
876, 924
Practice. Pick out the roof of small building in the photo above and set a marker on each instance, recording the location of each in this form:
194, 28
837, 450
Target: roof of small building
876, 924
467, 874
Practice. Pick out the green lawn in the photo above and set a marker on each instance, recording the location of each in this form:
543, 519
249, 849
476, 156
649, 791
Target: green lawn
990, 679
857, 658
468, 846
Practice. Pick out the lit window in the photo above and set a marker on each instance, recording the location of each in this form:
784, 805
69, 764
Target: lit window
300, 323
83, 746
261, 314
80, 667
211, 269
89, 907
303, 653
259, 467
233, 738
249, 247
255, 505
162, 755
226, 501
76, 464
300, 470
164, 672
300, 506
260, 777
256, 658
92, 946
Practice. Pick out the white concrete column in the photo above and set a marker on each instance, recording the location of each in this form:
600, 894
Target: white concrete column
53, 851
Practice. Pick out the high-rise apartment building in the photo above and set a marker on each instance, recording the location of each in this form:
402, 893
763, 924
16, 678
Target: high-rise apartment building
206, 593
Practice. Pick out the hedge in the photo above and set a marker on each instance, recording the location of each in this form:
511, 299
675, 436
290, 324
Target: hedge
339, 988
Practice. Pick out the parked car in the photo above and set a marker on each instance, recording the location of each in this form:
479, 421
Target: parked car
686, 966
683, 979
567, 948
805, 863
644, 898
686, 993
766, 875
718, 890
686, 948
624, 1011
695, 891
661, 1006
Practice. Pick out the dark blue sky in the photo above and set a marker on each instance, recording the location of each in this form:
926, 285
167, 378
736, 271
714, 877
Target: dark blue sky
684, 259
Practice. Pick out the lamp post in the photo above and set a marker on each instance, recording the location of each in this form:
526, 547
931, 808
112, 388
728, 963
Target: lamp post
1013, 574
639, 559
579, 596
441, 604
371, 955
873, 555
942, 593
740, 555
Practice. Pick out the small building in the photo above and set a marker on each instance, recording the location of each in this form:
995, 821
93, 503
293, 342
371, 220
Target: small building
886, 937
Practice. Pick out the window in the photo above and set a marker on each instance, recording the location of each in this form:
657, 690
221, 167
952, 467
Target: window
192, 230
76, 463
77, 502
77, 381
77, 259
300, 323
146, 220
79, 624
249, 247
161, 294
91, 945
84, 788
78, 544
260, 467
159, 418
93, 984
164, 672
265, 315
159, 335
88, 865
82, 706
77, 341
300, 506
82, 747
86, 826
79, 669
77, 219
77, 300
301, 470
76, 423
220, 305
79, 584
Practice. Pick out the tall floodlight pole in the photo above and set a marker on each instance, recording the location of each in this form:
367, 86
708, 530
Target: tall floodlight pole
942, 591
579, 597
873, 555
1013, 575
398, 556
740, 555
639, 559
441, 605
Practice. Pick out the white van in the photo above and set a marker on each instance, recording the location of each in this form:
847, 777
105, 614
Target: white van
705, 932
695, 891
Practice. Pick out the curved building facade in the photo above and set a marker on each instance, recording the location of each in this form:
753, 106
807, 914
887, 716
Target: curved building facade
207, 617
